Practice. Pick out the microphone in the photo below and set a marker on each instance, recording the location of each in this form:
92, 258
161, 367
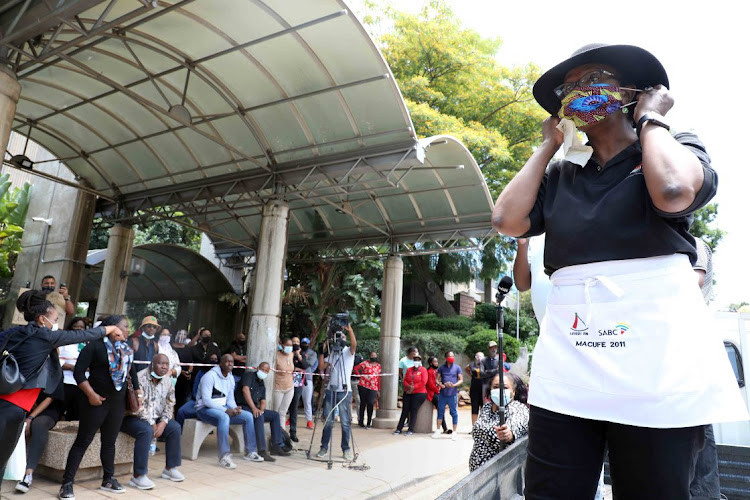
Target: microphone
503, 288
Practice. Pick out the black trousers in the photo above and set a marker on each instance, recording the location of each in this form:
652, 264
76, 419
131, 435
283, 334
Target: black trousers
565, 456
476, 393
40, 428
11, 425
367, 398
293, 409
410, 407
73, 396
107, 419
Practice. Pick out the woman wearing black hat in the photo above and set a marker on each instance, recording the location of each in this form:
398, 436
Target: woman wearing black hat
619, 360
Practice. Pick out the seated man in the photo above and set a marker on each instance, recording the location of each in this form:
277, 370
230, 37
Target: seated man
251, 394
154, 420
216, 406
187, 410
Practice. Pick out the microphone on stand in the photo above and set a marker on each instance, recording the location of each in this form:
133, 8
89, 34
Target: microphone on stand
502, 290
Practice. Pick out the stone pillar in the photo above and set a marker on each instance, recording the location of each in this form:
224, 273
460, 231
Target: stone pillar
10, 90
265, 319
114, 277
390, 342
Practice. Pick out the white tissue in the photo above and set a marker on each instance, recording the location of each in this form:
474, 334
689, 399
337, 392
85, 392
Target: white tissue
574, 150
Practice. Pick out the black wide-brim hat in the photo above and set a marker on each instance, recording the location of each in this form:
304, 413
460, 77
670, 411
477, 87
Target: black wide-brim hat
634, 65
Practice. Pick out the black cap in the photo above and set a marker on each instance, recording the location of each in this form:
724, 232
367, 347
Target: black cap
635, 66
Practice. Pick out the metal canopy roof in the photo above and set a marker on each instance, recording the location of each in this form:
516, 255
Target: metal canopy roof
210, 109
172, 273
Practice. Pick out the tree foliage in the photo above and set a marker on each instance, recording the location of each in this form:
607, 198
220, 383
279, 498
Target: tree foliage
14, 205
704, 226
154, 231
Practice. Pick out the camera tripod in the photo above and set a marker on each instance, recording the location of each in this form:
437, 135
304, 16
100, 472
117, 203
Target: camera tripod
336, 364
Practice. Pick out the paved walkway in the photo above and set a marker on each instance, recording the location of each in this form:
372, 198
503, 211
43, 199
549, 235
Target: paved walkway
399, 467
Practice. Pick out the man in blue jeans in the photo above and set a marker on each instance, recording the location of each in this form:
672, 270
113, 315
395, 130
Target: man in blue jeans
449, 379
154, 420
251, 393
338, 394
216, 406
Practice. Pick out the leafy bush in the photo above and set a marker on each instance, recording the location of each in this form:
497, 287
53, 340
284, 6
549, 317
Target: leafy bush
530, 343
528, 324
486, 313
434, 344
366, 346
478, 342
366, 332
457, 325
411, 310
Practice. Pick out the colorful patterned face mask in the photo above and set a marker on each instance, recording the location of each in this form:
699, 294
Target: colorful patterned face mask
587, 105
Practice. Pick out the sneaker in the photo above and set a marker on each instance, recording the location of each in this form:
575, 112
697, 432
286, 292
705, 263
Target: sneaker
348, 455
436, 434
142, 482
449, 431
310, 424
322, 453
294, 438
409, 433
226, 462
368, 427
66, 492
113, 486
454, 436
396, 432
24, 485
361, 425
252, 457
279, 451
266, 456
173, 475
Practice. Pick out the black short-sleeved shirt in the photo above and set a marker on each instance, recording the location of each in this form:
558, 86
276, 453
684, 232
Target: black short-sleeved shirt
257, 389
596, 214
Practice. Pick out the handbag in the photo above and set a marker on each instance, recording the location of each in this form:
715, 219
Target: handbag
132, 404
11, 378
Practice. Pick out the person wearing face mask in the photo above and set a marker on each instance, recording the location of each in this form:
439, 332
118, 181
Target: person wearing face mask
205, 347
34, 347
489, 435
238, 350
152, 421
311, 358
188, 409
369, 387
298, 380
433, 389
144, 347
616, 213
475, 371
283, 381
59, 298
250, 394
415, 393
109, 361
164, 346
449, 379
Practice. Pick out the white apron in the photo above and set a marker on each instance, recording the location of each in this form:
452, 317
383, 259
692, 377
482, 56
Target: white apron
631, 342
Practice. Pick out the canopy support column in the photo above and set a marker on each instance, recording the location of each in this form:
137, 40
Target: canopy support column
263, 333
390, 342
115, 273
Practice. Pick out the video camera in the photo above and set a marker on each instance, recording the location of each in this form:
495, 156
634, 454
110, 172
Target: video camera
336, 334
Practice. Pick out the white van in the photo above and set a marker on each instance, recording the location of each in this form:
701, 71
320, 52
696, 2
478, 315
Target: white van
734, 329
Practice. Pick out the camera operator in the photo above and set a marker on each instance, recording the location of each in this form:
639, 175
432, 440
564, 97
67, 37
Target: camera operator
340, 360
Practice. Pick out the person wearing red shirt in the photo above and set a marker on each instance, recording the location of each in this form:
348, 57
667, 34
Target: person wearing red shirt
415, 393
432, 388
369, 387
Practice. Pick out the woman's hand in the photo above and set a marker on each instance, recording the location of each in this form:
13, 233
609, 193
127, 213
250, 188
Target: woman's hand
504, 433
550, 133
114, 332
96, 400
655, 100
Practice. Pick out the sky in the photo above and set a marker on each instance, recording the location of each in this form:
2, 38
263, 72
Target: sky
702, 45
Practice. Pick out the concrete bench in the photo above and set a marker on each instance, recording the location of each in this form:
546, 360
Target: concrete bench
425, 418
61, 439
195, 431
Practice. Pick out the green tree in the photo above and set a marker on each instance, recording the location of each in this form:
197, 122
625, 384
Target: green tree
704, 226
14, 205
453, 84
151, 231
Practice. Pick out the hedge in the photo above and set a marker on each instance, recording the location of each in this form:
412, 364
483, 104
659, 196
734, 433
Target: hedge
433, 344
478, 342
458, 325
